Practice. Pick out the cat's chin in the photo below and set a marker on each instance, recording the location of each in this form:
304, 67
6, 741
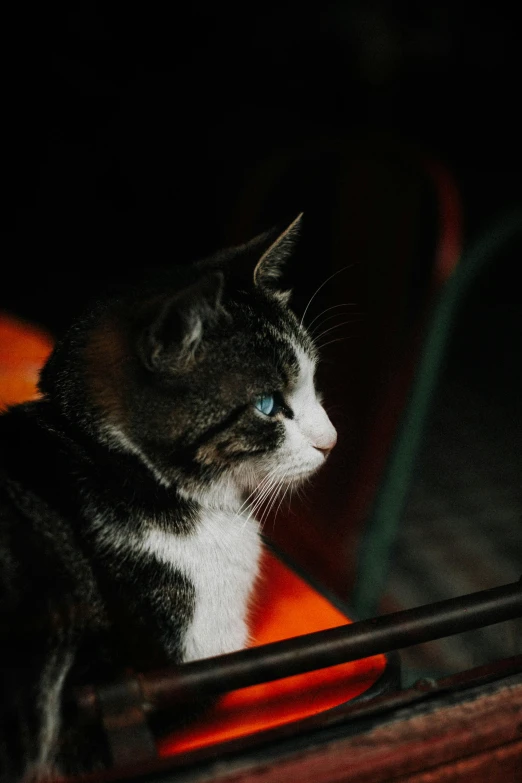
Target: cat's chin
301, 477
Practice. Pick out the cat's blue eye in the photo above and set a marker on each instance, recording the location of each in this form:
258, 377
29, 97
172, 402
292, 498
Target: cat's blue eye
266, 404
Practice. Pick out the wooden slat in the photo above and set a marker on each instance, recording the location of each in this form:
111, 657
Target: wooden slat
479, 740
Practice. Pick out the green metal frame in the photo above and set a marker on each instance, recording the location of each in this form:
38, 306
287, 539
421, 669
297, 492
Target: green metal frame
373, 562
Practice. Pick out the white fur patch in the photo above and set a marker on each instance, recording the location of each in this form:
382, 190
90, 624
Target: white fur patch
310, 434
221, 560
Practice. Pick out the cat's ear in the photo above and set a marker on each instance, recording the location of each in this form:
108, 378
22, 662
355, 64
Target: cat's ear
270, 266
173, 337
260, 261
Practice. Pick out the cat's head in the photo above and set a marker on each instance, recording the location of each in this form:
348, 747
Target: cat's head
206, 376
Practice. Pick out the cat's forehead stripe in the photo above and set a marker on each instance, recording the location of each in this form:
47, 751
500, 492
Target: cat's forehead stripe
301, 364
306, 368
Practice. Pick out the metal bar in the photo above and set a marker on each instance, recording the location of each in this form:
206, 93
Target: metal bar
126, 727
214, 676
357, 713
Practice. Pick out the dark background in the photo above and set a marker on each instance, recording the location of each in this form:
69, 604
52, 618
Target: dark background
133, 129
146, 134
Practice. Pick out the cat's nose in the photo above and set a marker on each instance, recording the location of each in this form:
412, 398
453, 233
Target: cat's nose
326, 443
325, 449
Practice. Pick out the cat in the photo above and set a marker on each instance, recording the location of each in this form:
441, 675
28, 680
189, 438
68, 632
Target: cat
127, 534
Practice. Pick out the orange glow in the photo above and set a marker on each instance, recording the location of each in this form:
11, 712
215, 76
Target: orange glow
24, 348
285, 606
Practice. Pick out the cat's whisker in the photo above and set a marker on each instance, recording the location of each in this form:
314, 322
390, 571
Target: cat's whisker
337, 272
317, 334
269, 487
245, 505
289, 502
276, 512
265, 504
332, 307
252, 494
337, 340
302, 494
256, 489
273, 499
265, 499
252, 511
285, 486
340, 314
317, 337
337, 326
260, 499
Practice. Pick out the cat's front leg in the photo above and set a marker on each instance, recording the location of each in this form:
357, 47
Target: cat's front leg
31, 718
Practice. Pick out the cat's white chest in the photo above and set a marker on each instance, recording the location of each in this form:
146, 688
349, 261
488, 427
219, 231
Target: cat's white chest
220, 559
